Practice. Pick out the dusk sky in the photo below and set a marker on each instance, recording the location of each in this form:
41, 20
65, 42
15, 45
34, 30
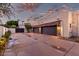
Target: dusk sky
41, 9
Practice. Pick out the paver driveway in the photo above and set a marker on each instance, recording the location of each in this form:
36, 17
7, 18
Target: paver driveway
32, 44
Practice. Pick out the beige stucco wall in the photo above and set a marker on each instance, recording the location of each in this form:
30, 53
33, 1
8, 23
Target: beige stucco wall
66, 20
70, 23
75, 23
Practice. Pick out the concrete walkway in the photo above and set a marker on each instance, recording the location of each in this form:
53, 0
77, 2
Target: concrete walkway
32, 44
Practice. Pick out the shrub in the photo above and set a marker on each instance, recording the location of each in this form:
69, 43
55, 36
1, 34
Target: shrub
7, 34
28, 26
11, 24
2, 41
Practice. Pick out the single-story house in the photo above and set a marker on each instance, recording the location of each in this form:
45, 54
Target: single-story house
63, 22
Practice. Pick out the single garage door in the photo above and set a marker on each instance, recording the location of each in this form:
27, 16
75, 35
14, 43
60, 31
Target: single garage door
36, 30
50, 30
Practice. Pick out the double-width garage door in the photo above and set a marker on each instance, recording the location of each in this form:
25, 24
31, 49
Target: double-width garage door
19, 30
50, 30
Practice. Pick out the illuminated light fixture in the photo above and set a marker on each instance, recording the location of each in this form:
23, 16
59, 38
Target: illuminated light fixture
58, 28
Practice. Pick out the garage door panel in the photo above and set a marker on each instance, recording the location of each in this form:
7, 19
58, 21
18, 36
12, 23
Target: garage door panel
51, 30
36, 30
19, 30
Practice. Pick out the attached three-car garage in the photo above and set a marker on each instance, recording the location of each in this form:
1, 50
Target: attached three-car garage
47, 28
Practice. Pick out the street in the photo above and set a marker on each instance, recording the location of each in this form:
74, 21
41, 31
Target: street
32, 44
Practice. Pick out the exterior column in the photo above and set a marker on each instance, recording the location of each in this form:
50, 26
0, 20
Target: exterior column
39, 29
65, 24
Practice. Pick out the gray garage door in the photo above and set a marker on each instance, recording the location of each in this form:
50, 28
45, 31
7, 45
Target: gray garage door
36, 30
50, 30
19, 30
